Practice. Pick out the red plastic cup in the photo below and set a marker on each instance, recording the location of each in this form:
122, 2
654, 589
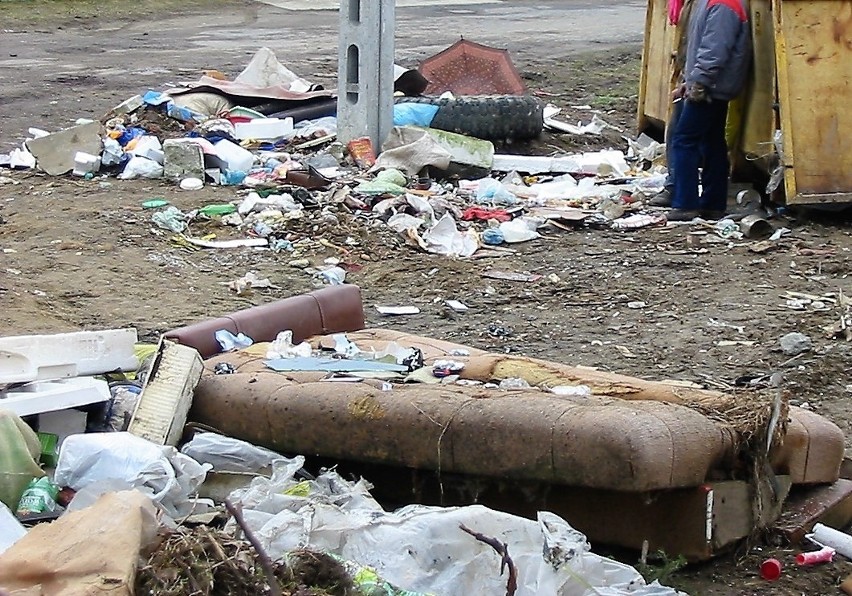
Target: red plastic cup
770, 569
824, 555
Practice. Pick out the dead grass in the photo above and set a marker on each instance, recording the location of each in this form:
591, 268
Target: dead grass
18, 14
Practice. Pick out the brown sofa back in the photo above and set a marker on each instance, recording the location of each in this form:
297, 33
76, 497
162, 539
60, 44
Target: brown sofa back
331, 310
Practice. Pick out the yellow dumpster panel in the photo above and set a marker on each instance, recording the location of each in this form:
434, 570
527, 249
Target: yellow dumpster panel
814, 55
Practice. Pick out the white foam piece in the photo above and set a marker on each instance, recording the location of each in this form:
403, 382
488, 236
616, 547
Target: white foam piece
50, 396
27, 358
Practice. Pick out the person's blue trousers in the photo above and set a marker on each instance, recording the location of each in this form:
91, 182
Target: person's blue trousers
677, 109
700, 136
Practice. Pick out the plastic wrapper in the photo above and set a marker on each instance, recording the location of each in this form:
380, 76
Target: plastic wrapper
518, 230
226, 454
444, 238
228, 341
414, 114
171, 218
39, 497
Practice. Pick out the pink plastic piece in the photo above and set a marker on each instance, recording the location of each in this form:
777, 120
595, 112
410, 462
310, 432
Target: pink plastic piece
770, 569
824, 555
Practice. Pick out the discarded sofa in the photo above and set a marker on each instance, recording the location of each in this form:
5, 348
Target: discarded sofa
636, 460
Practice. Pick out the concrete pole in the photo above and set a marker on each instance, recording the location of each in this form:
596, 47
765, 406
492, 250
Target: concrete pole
365, 70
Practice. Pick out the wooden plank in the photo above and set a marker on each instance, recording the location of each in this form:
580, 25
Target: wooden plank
814, 56
828, 504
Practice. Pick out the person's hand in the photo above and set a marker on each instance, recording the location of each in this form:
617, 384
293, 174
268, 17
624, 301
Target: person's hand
679, 92
697, 93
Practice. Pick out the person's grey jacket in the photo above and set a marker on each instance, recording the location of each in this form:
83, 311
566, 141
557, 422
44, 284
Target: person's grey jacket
718, 53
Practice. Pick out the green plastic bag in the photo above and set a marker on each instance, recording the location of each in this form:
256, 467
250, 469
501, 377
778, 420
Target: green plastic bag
19, 451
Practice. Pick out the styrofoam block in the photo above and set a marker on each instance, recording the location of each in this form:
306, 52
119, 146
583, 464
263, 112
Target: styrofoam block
26, 358
85, 163
166, 397
236, 158
264, 128
50, 396
62, 423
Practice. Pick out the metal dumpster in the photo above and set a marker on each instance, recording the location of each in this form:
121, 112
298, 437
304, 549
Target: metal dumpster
795, 119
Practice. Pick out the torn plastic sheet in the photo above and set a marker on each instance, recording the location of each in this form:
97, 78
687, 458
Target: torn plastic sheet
283, 347
264, 70
445, 239
647, 149
423, 548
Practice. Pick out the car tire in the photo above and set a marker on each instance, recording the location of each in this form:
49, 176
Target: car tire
489, 117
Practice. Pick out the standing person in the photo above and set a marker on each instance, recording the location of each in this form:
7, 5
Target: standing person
718, 56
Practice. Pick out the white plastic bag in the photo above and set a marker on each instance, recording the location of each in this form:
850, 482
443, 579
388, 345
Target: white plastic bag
165, 475
494, 192
226, 454
517, 230
141, 167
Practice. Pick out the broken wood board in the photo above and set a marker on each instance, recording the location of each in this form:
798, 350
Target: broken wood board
830, 505
167, 394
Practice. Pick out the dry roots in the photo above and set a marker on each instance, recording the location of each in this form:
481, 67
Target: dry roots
205, 562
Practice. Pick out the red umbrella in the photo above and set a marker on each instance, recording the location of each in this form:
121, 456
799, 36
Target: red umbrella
468, 68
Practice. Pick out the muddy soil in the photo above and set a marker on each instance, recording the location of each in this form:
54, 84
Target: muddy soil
78, 254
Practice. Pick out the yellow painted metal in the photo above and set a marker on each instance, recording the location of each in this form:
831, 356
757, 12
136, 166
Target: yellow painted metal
813, 48
801, 84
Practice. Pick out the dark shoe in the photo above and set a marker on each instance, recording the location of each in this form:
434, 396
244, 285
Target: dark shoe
681, 215
661, 199
713, 215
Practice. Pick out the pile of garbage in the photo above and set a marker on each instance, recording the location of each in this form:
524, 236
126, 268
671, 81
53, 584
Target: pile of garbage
214, 515
443, 192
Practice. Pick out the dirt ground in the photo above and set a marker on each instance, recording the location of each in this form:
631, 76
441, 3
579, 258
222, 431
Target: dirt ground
80, 254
